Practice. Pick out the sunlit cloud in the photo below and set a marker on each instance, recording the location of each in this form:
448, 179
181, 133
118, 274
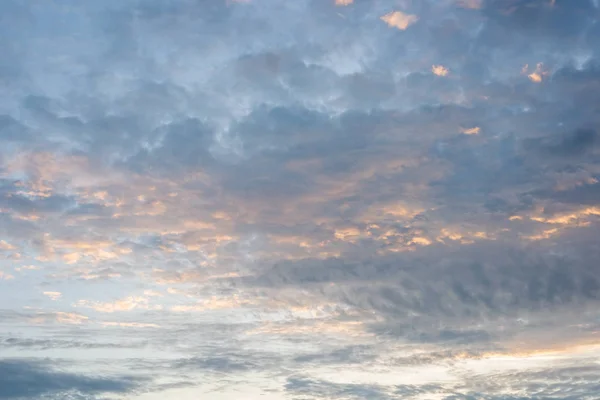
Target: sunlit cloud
214, 303
546, 234
422, 241
471, 131
6, 276
439, 70
576, 218
345, 328
127, 304
399, 20
537, 75
60, 317
27, 268
53, 295
6, 246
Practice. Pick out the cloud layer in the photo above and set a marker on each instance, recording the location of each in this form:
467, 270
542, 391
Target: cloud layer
240, 198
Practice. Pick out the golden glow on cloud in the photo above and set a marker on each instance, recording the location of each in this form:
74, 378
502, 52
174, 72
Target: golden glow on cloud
393, 211
547, 234
53, 295
318, 327
569, 218
471, 131
562, 221
537, 75
399, 20
349, 234
5, 277
58, 317
127, 304
448, 234
463, 236
213, 303
439, 70
6, 246
27, 268
422, 241
343, 2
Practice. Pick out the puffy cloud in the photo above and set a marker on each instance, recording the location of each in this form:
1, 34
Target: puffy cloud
439, 70
399, 20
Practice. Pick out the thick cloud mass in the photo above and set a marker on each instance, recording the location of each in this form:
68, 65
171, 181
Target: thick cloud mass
242, 198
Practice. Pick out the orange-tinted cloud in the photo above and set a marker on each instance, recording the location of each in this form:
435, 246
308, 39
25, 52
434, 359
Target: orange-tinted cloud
127, 304
439, 70
471, 131
537, 75
6, 277
53, 295
399, 20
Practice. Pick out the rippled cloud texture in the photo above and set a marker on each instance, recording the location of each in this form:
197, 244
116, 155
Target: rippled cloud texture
308, 199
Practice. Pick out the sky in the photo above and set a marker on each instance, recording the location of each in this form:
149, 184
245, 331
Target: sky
299, 200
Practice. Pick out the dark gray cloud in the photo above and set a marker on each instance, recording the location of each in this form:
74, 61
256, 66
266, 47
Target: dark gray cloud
573, 144
344, 355
431, 296
32, 379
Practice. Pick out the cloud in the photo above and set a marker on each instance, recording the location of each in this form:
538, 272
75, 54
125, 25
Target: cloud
221, 364
400, 20
439, 70
566, 382
53, 295
471, 131
5, 276
575, 143
266, 191
128, 324
31, 379
6, 246
60, 317
50, 344
126, 304
319, 389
